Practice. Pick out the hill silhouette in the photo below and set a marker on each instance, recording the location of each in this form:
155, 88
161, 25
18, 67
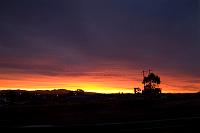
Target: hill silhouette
64, 108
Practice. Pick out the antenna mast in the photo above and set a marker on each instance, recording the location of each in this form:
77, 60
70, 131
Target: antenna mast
150, 71
143, 72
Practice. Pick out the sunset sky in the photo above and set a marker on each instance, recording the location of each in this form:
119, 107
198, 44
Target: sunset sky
99, 45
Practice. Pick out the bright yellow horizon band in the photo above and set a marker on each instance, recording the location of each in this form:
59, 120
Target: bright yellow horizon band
91, 83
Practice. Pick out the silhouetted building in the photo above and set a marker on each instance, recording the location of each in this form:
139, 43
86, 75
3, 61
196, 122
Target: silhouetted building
137, 90
150, 90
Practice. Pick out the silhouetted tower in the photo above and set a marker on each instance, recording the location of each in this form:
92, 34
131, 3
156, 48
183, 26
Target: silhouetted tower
143, 73
150, 71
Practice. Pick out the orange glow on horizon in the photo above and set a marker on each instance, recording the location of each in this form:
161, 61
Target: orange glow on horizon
90, 83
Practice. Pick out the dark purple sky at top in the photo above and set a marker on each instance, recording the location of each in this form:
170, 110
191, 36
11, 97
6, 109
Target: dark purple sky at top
51, 37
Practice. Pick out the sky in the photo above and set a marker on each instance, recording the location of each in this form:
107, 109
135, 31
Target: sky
99, 45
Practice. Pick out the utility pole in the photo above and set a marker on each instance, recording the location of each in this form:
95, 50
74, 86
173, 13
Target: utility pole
150, 80
143, 72
150, 71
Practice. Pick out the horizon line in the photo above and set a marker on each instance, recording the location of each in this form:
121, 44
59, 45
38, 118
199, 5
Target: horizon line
91, 91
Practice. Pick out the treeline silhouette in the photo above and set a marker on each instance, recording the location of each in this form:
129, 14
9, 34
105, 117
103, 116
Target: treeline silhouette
19, 108
66, 96
38, 96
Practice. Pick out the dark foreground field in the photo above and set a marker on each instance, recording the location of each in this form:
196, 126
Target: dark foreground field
119, 112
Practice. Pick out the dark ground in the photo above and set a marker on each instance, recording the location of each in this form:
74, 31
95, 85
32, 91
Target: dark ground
119, 112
